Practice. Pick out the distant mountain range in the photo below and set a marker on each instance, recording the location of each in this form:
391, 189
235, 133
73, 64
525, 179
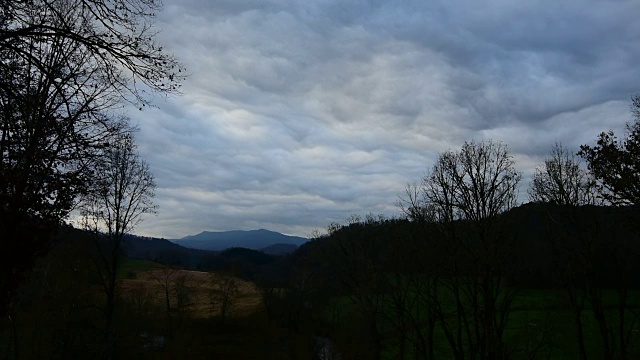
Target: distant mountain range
268, 241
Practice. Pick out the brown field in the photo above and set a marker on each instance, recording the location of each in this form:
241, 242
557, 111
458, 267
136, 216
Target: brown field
200, 285
198, 333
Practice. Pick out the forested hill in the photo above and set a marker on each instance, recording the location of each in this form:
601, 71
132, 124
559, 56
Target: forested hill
164, 251
538, 239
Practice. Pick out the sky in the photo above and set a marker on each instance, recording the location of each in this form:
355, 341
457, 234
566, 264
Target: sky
299, 114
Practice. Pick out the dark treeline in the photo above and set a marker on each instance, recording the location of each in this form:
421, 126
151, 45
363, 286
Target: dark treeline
375, 287
399, 286
532, 227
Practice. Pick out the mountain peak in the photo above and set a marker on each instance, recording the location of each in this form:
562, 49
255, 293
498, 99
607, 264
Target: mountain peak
251, 239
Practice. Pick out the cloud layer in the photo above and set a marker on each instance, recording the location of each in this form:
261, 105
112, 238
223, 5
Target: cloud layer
299, 114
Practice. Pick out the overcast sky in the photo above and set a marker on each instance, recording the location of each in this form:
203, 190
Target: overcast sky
301, 113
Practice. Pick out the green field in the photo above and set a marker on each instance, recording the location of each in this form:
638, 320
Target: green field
129, 268
541, 325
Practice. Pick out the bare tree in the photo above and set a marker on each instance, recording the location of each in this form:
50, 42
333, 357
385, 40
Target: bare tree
460, 202
117, 37
50, 136
225, 293
615, 163
562, 180
121, 196
65, 65
173, 284
584, 241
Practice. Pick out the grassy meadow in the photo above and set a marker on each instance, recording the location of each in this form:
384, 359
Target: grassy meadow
541, 325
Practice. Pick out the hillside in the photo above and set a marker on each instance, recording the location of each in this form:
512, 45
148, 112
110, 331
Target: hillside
279, 249
252, 239
164, 251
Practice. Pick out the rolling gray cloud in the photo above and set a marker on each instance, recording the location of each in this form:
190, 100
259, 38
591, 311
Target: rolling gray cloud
301, 113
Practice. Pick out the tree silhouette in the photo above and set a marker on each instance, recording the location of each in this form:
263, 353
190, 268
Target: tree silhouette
562, 181
121, 195
460, 202
615, 163
115, 38
65, 66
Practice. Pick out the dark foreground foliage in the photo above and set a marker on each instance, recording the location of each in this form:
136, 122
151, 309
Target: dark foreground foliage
376, 288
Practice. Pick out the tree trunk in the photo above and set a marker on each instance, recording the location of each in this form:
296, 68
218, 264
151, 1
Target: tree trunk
168, 306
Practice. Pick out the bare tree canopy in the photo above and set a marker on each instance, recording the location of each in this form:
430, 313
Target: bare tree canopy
562, 181
116, 38
479, 182
66, 66
121, 195
460, 201
122, 192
